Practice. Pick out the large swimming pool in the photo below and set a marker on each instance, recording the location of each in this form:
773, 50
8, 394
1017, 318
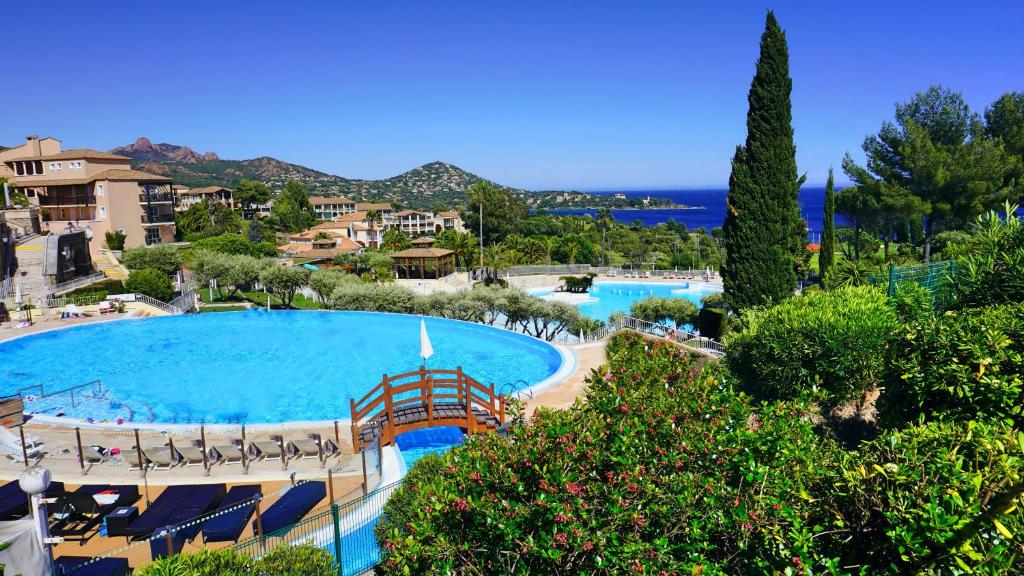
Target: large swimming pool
606, 298
255, 366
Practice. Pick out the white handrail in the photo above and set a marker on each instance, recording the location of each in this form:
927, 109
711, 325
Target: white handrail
170, 309
688, 339
76, 283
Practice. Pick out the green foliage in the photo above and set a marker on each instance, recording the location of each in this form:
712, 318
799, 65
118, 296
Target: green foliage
502, 211
657, 309
937, 498
965, 365
990, 269
835, 342
115, 239
167, 259
827, 253
235, 271
912, 302
151, 282
325, 281
235, 244
292, 211
251, 193
371, 264
848, 273
284, 281
577, 284
711, 322
256, 231
98, 291
205, 219
1004, 120
763, 230
395, 240
620, 484
304, 560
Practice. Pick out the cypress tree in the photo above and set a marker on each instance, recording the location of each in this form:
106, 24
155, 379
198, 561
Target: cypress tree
827, 252
763, 230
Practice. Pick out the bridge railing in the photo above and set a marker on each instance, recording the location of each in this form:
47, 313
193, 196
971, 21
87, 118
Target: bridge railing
427, 388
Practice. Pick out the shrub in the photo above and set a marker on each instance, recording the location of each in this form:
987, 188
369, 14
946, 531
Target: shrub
115, 239
933, 499
235, 244
991, 269
912, 302
664, 468
306, 560
162, 257
964, 365
99, 290
325, 282
578, 284
834, 342
303, 560
657, 309
151, 282
710, 322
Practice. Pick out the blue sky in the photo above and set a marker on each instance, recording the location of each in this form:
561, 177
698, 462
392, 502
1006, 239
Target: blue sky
534, 94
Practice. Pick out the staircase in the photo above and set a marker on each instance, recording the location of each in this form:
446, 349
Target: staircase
109, 269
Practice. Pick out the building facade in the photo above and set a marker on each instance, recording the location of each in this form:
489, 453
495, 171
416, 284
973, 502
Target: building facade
327, 208
93, 191
185, 197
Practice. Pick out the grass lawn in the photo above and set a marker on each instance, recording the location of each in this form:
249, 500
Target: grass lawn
207, 309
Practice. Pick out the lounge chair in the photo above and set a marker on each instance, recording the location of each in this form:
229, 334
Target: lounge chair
83, 513
190, 455
292, 506
176, 505
87, 566
11, 445
202, 499
160, 456
265, 449
233, 514
14, 502
304, 448
95, 454
131, 456
227, 453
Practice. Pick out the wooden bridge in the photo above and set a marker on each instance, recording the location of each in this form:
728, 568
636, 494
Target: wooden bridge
423, 399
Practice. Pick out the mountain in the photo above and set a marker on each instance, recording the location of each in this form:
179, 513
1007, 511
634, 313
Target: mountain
436, 183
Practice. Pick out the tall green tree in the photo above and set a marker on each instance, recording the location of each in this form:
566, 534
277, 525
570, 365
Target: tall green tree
763, 231
502, 211
937, 151
251, 193
292, 211
827, 252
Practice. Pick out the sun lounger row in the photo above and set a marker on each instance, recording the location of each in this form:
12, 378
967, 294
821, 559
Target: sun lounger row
176, 505
164, 458
86, 566
292, 506
233, 514
80, 513
14, 502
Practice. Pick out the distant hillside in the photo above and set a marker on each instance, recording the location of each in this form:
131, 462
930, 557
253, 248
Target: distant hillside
423, 187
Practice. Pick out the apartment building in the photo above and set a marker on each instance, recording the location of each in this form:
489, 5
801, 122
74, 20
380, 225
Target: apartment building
185, 197
327, 208
89, 190
417, 223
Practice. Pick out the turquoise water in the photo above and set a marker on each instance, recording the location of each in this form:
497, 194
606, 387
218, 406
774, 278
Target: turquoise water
254, 366
418, 443
609, 297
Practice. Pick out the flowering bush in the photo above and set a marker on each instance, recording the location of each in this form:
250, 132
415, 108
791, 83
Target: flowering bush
663, 470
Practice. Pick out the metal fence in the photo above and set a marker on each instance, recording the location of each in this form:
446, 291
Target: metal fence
691, 340
935, 276
76, 283
345, 529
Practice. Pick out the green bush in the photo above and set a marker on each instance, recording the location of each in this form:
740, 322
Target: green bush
912, 302
162, 257
115, 239
578, 284
657, 309
835, 343
710, 322
235, 244
991, 268
151, 282
98, 290
938, 498
664, 469
965, 365
303, 560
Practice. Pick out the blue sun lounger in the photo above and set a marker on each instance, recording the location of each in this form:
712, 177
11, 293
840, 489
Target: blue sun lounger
291, 507
176, 505
100, 567
228, 526
14, 502
203, 498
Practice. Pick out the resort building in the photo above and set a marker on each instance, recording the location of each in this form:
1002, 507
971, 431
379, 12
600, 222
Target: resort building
319, 244
185, 197
326, 208
89, 190
383, 210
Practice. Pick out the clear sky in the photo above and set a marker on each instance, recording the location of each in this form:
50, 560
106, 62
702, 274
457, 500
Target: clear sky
544, 94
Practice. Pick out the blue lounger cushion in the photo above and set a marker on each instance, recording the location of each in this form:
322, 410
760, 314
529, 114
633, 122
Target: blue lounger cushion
156, 514
228, 526
202, 499
291, 507
101, 567
14, 502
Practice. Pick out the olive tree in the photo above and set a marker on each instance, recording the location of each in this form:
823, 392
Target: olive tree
284, 282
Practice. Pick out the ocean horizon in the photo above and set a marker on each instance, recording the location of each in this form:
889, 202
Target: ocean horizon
706, 207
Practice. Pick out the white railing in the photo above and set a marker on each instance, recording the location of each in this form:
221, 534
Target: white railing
688, 339
186, 302
170, 309
76, 283
7, 288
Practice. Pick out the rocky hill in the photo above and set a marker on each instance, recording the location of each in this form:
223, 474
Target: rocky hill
430, 185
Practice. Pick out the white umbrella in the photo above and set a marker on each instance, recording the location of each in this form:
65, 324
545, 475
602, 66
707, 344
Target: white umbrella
17, 294
426, 350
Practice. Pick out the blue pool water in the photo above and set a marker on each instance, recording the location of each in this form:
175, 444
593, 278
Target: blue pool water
609, 297
254, 366
418, 443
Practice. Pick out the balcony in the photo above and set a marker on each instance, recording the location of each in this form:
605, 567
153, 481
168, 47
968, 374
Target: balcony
156, 198
157, 219
67, 200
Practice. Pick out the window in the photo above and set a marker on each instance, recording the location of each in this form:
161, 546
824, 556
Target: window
99, 190
103, 212
152, 236
75, 165
56, 166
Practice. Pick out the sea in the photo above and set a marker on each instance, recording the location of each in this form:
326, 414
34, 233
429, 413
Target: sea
707, 208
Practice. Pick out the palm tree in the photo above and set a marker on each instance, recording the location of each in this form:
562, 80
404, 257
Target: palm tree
394, 240
548, 243
496, 258
572, 249
534, 250
462, 244
370, 219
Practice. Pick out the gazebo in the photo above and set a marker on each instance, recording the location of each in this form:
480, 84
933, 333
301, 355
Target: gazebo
415, 262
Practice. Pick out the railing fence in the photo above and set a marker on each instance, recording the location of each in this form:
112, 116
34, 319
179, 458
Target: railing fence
76, 283
689, 339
